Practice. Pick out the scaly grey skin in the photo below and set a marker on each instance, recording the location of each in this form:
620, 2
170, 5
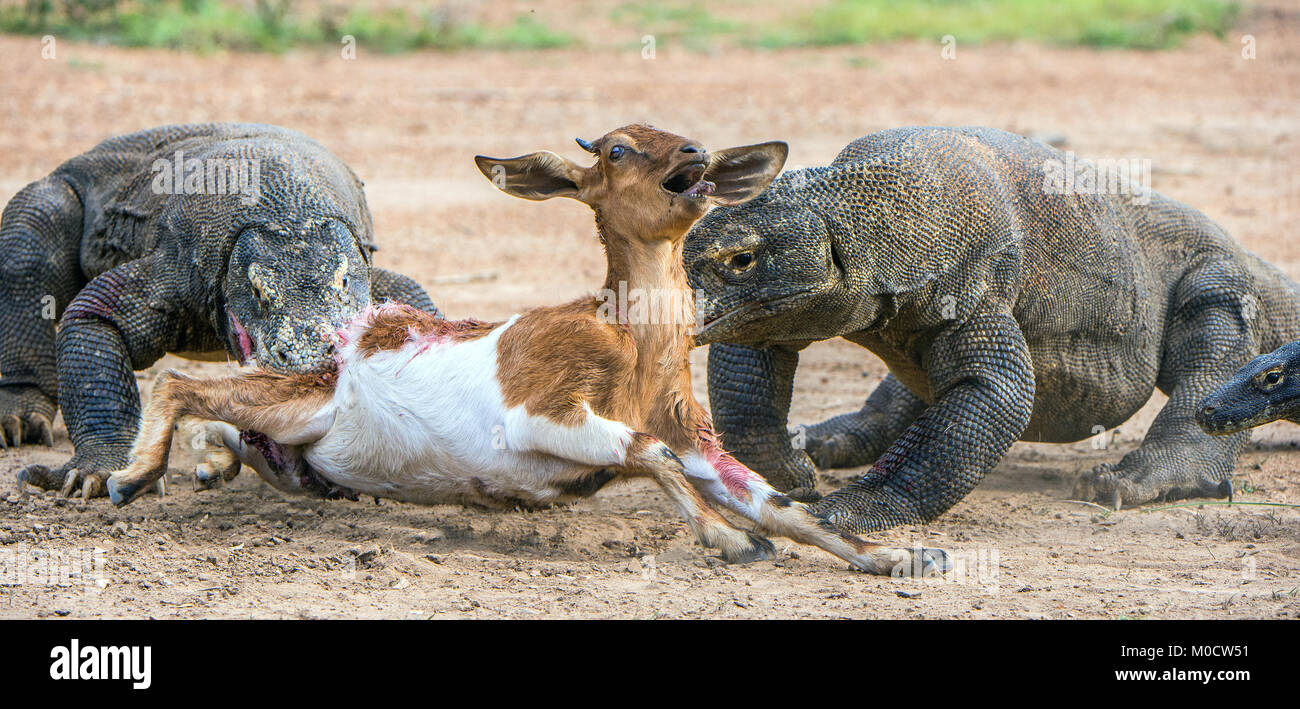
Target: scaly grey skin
1004, 310
136, 269
1267, 389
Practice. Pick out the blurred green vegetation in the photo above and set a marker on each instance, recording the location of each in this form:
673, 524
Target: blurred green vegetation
1137, 24
277, 25
267, 25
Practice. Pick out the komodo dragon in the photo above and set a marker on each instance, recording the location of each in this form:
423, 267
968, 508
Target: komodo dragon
1004, 307
257, 242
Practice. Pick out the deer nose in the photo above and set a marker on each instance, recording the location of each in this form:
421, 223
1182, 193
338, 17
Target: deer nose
692, 149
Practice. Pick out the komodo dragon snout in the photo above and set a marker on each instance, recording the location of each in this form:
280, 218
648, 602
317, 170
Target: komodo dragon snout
289, 288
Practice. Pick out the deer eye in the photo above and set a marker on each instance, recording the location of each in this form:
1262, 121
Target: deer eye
616, 152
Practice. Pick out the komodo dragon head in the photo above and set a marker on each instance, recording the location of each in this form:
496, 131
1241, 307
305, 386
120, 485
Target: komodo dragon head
1266, 389
773, 266
287, 290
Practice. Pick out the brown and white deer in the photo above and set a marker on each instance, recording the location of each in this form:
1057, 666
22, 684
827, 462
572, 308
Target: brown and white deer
546, 406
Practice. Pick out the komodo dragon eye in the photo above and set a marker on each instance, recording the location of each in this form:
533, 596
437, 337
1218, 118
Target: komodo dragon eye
1270, 379
741, 261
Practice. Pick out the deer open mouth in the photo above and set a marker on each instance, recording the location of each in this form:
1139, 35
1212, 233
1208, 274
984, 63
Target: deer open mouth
689, 181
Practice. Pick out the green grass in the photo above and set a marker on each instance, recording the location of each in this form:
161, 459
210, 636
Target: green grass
1140, 24
273, 26
690, 24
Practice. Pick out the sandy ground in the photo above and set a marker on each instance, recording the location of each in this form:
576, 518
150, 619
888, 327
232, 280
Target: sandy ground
1221, 133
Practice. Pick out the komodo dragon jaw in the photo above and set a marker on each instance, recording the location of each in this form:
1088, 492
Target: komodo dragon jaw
1267, 389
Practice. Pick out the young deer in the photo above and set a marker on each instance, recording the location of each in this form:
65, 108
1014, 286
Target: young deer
545, 407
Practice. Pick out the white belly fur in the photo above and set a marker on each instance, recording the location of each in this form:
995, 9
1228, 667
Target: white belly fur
430, 426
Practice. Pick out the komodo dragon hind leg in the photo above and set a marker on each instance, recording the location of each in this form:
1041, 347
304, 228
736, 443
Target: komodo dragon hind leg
40, 234
114, 326
1212, 331
860, 437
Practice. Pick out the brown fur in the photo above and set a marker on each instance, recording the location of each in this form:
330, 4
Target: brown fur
551, 360
395, 325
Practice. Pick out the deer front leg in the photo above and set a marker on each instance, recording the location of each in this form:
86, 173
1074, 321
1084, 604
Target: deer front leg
647, 455
599, 442
727, 482
211, 441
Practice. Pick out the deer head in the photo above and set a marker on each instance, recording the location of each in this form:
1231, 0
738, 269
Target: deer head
646, 184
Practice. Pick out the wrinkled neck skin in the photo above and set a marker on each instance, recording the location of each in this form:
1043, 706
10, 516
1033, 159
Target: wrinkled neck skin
858, 303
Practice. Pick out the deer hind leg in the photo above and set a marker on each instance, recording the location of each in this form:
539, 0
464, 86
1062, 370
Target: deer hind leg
601, 442
725, 480
264, 402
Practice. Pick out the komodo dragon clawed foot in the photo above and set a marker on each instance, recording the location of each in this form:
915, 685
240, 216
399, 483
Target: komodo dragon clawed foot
84, 476
25, 417
1148, 475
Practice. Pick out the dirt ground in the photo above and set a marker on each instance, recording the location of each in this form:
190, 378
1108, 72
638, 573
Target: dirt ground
1221, 133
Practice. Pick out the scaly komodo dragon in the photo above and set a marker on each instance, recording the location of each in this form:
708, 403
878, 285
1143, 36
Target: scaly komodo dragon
157, 242
1004, 307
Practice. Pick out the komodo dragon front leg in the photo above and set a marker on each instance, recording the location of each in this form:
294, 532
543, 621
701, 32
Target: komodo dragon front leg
754, 388
982, 381
39, 276
755, 385
1211, 333
123, 320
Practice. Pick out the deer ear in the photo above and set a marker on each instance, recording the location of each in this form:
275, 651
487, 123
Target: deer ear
541, 175
741, 174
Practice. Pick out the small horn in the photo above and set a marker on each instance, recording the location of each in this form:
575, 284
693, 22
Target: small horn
586, 145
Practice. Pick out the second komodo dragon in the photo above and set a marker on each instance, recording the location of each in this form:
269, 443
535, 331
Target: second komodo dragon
1007, 303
